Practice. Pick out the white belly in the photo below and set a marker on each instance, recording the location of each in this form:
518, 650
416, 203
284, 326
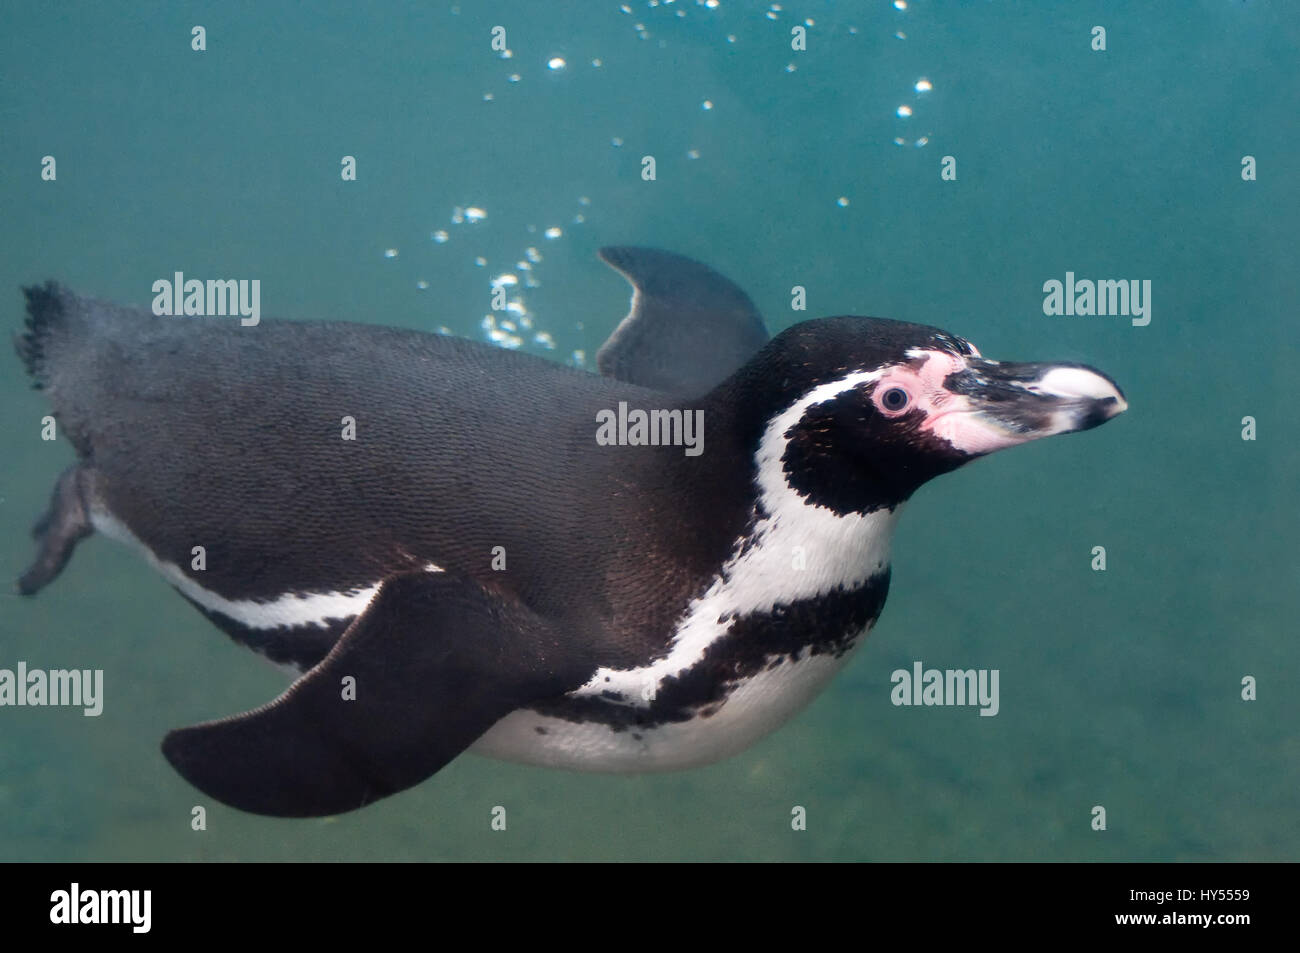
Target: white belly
757, 706
836, 555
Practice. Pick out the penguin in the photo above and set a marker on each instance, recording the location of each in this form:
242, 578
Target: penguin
472, 567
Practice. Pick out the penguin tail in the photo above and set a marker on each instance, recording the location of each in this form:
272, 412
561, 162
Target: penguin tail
69, 346
46, 313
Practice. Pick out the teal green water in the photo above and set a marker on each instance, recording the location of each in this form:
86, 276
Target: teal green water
1120, 689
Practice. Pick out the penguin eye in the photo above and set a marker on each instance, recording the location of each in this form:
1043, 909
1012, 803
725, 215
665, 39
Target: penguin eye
895, 399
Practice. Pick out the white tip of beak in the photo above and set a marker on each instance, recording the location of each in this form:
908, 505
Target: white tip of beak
1075, 382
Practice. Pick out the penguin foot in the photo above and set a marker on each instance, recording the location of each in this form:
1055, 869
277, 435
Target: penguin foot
57, 533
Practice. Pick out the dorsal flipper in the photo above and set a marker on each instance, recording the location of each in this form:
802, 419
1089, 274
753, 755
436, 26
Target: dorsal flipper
689, 328
437, 660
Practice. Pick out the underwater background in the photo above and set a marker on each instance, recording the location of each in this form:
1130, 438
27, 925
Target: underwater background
779, 167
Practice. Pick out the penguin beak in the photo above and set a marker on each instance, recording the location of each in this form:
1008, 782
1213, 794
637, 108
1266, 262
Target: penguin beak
998, 405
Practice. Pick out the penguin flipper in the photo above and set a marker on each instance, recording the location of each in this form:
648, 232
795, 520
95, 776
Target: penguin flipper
689, 328
437, 660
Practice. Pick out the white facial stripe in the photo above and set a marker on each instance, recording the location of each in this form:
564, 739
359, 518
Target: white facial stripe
914, 353
837, 551
288, 610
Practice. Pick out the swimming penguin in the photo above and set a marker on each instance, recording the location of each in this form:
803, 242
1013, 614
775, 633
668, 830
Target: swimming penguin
504, 553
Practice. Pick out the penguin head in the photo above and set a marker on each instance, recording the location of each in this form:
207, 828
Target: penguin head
862, 411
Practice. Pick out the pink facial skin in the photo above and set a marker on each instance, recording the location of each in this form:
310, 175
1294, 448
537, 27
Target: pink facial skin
947, 415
